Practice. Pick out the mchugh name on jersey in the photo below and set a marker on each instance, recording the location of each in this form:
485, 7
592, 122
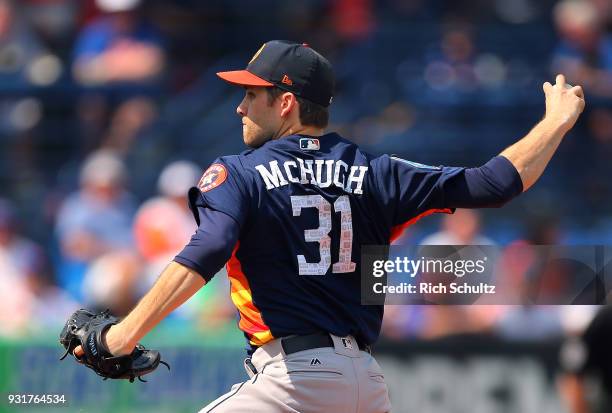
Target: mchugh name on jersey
323, 173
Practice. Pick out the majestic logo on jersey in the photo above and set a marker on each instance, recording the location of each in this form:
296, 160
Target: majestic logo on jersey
214, 176
319, 172
416, 164
309, 144
257, 53
315, 361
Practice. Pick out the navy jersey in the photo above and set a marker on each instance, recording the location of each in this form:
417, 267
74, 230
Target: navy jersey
305, 206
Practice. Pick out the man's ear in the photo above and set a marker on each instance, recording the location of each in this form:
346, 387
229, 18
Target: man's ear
288, 103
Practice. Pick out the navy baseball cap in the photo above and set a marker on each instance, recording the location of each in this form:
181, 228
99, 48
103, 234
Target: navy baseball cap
293, 67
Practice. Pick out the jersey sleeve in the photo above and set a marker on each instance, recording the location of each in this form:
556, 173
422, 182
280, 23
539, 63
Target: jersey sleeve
222, 188
211, 245
409, 190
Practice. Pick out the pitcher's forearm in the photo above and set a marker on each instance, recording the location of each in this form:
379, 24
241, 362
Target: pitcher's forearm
175, 285
531, 154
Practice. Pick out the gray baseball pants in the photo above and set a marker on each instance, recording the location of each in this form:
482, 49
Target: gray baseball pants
341, 379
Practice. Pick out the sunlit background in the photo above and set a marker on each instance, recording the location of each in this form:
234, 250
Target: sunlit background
110, 110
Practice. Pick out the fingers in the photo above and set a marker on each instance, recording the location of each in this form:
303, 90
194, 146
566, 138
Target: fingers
560, 80
78, 351
577, 90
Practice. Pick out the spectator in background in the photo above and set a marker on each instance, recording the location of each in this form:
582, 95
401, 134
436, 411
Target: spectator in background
353, 20
94, 220
604, 10
595, 181
164, 224
118, 47
450, 63
433, 321
24, 64
19, 48
162, 227
127, 122
460, 228
18, 258
115, 128
584, 53
111, 281
54, 21
456, 67
529, 277
27, 257
29, 298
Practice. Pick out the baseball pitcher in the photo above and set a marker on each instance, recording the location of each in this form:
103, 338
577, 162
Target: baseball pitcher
289, 217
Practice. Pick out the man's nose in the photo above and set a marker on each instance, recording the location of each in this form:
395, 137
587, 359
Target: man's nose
241, 110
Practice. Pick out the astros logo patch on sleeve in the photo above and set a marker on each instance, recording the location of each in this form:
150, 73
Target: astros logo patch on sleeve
214, 176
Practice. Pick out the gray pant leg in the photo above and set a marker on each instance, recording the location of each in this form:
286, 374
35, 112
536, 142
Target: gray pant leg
312, 381
293, 385
372, 387
257, 395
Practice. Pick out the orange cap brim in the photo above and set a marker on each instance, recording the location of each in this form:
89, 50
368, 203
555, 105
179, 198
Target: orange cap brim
243, 78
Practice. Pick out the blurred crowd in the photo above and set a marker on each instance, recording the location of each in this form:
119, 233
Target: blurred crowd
110, 111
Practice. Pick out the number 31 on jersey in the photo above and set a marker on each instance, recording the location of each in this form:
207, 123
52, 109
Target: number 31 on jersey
321, 234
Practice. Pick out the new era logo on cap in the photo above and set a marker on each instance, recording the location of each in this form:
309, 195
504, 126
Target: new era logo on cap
309, 144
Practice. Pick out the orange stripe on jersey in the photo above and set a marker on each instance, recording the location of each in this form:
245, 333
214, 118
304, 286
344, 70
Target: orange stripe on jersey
251, 321
398, 230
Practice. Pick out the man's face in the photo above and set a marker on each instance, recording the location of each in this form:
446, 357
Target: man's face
260, 120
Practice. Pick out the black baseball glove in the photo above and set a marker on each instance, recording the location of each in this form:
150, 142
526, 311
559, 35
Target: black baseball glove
86, 329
